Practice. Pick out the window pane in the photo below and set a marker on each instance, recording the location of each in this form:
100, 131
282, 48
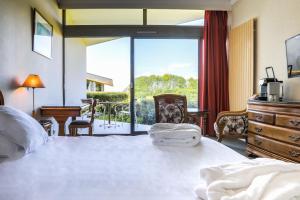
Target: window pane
104, 17
175, 17
163, 66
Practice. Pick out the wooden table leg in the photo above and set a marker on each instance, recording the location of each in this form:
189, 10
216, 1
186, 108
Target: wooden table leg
61, 120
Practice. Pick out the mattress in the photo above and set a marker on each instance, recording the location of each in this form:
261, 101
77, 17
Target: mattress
110, 168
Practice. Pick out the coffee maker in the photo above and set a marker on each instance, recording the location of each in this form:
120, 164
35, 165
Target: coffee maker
270, 88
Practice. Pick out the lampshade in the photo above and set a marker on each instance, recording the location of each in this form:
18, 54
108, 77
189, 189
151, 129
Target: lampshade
33, 81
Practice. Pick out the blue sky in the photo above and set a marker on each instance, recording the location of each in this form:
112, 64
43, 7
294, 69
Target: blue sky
162, 56
152, 56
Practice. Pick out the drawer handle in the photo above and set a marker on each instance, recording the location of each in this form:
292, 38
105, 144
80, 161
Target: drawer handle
294, 154
257, 142
258, 117
258, 130
294, 138
295, 122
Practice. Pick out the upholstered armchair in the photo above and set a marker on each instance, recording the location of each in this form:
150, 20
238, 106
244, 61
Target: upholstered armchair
231, 124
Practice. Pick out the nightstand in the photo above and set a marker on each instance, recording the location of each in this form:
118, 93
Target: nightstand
47, 125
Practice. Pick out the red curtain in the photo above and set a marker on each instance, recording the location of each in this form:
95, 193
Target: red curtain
213, 71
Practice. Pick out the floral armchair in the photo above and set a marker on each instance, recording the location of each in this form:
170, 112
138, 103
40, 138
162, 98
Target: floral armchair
231, 124
170, 108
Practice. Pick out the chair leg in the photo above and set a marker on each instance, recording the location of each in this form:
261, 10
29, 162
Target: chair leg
90, 131
219, 138
104, 120
70, 131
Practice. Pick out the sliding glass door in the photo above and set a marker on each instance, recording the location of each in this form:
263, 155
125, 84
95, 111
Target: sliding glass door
163, 66
108, 80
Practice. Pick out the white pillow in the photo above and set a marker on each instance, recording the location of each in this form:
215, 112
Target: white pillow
7, 148
21, 129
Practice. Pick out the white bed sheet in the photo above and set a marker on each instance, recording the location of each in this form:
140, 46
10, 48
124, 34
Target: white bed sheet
110, 168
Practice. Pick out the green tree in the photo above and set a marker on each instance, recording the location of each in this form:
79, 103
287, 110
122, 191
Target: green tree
148, 86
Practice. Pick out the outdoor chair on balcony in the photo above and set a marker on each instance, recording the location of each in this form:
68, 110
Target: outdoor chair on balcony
118, 113
80, 124
101, 112
121, 111
231, 124
87, 113
170, 108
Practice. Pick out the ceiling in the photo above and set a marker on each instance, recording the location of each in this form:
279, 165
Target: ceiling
154, 4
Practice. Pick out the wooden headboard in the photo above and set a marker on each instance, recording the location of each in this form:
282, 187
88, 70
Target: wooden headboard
1, 98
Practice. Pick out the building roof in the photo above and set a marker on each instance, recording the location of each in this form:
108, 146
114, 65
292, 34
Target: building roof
99, 79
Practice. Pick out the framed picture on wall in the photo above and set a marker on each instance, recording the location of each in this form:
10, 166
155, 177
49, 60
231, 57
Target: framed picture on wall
42, 35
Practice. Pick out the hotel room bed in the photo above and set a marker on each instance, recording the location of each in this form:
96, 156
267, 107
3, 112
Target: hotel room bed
110, 168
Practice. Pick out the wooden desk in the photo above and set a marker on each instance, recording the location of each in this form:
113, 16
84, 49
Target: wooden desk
61, 114
195, 115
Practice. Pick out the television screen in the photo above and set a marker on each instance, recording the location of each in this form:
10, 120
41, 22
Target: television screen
293, 56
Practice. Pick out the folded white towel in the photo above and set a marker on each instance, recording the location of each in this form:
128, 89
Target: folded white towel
175, 134
186, 138
159, 129
259, 179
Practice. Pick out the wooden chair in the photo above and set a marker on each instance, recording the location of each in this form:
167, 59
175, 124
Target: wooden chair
170, 108
75, 125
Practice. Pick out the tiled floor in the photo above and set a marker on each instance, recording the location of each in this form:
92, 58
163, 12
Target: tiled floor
236, 144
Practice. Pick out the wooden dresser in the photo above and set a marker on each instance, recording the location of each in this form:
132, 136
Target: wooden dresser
274, 130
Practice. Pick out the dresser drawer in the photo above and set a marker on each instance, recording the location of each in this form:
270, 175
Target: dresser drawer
261, 117
260, 128
285, 150
288, 121
283, 134
259, 141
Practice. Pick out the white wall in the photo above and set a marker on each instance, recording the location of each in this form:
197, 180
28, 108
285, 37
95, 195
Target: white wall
17, 60
277, 20
75, 71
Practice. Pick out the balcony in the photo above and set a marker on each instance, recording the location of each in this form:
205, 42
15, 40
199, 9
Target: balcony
113, 113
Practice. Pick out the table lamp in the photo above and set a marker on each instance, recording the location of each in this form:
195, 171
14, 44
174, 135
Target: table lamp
33, 81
